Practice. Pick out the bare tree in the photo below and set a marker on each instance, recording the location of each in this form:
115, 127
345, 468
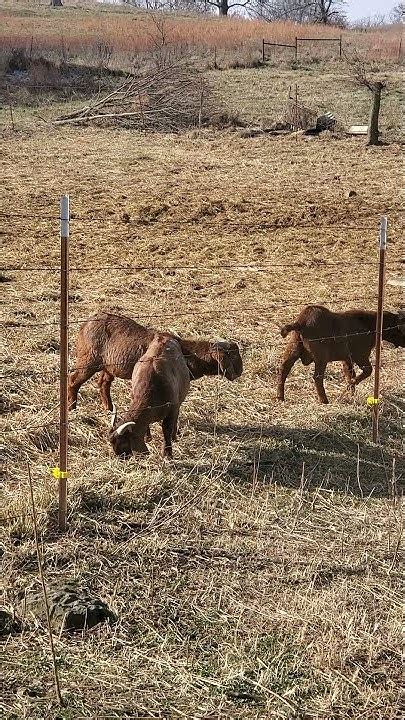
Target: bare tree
361, 72
397, 14
369, 22
224, 6
327, 12
197, 6
271, 10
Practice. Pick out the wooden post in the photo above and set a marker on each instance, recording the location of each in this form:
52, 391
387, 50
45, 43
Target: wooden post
373, 134
263, 53
200, 110
296, 48
400, 48
340, 46
10, 106
379, 325
64, 351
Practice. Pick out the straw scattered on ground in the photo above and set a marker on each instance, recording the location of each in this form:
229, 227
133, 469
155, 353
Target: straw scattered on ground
256, 576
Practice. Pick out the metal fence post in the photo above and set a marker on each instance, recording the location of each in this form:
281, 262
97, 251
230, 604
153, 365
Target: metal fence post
64, 351
379, 326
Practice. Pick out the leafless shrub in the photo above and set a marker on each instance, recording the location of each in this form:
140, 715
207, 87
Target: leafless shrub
104, 53
17, 60
361, 72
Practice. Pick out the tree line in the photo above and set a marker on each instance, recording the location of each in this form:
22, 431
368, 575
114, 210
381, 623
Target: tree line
325, 12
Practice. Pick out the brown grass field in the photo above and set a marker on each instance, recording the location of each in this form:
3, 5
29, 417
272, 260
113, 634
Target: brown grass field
82, 26
258, 574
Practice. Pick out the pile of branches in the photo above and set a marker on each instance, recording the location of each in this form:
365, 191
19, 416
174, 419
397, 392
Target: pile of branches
170, 98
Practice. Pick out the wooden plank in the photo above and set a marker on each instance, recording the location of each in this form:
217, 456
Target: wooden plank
358, 129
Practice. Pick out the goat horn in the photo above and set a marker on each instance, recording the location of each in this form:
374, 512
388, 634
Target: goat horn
122, 427
221, 343
113, 415
174, 333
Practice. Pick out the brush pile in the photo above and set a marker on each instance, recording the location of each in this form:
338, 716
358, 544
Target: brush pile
170, 98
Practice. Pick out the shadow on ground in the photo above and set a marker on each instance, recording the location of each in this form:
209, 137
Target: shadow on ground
340, 457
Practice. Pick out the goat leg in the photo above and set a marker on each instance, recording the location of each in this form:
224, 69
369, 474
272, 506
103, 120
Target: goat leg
291, 355
350, 374
104, 383
76, 380
175, 432
318, 378
169, 431
366, 369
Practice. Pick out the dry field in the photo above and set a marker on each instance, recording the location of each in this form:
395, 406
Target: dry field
258, 574
82, 27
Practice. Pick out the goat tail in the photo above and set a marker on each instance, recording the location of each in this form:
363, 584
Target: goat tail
286, 329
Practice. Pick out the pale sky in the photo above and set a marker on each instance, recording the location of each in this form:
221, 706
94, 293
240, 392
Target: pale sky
363, 8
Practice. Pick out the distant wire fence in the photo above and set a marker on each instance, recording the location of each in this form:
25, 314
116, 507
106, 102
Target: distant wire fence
65, 218
295, 46
325, 40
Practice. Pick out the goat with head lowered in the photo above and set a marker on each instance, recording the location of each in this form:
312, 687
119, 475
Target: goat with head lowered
160, 383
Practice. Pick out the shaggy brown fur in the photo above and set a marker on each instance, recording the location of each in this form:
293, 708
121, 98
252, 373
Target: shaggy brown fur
113, 344
321, 336
160, 382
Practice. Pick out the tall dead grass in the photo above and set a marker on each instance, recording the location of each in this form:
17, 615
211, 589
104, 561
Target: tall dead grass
78, 34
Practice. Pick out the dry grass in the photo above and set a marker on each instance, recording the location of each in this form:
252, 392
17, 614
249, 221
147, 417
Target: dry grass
260, 97
256, 576
81, 28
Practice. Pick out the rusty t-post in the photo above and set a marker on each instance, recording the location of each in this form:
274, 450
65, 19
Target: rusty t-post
379, 325
64, 355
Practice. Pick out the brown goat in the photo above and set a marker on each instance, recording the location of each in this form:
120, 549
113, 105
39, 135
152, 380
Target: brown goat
321, 336
160, 382
113, 344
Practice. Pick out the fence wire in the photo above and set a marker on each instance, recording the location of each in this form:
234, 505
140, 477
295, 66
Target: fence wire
29, 374
276, 225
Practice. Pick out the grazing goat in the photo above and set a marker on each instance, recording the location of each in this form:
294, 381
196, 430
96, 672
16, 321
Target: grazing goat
321, 336
113, 344
160, 382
